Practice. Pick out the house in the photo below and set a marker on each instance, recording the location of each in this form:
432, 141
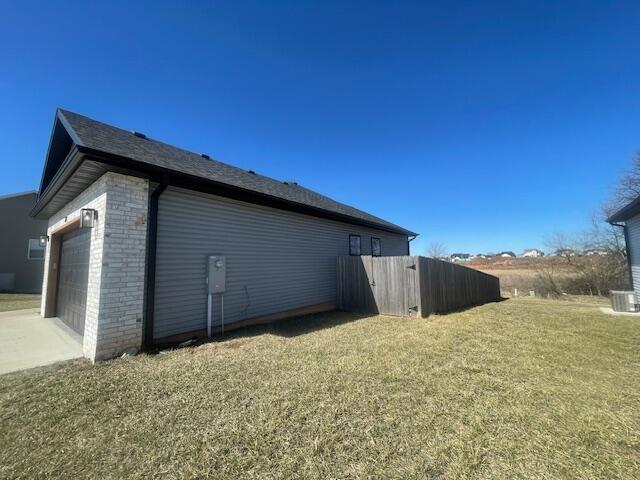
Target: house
460, 257
507, 255
151, 244
595, 251
532, 253
564, 252
628, 218
21, 254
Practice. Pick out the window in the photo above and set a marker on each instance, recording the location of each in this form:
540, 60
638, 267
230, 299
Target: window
36, 251
376, 247
354, 245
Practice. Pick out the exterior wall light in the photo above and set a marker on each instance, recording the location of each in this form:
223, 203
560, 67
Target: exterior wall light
44, 239
87, 217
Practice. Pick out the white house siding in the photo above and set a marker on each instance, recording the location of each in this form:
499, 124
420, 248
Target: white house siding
276, 260
633, 250
115, 291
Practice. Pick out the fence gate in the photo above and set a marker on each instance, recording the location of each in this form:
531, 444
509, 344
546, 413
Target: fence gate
385, 285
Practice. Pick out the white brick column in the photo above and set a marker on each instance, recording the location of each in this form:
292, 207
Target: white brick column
115, 290
123, 266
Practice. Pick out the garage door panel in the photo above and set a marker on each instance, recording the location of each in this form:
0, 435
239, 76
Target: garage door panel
73, 276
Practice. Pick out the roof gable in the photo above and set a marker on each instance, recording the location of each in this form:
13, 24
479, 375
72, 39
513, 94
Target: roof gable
60, 144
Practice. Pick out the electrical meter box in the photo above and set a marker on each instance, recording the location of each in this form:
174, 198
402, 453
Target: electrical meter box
217, 273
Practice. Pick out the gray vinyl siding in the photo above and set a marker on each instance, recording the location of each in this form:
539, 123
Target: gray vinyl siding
633, 250
276, 260
24, 274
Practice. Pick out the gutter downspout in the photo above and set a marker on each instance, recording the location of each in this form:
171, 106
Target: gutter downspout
150, 278
410, 239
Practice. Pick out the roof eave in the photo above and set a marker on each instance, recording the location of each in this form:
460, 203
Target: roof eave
177, 178
625, 213
70, 165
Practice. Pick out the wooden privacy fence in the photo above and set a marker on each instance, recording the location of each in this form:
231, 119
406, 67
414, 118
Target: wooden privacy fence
408, 285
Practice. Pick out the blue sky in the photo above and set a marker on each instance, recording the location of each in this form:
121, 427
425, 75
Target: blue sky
481, 125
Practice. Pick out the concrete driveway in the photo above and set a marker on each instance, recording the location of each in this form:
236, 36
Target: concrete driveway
27, 340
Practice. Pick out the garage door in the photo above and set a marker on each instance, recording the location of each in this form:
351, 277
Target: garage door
73, 275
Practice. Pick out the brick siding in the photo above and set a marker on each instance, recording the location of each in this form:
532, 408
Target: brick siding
115, 290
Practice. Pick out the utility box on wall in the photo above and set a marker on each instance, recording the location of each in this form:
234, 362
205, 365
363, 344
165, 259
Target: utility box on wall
217, 273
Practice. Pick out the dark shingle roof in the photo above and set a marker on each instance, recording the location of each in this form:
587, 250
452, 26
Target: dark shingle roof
116, 141
623, 214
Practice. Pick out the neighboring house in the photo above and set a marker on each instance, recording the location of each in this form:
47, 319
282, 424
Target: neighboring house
628, 217
460, 257
532, 253
564, 252
21, 255
595, 251
136, 227
507, 255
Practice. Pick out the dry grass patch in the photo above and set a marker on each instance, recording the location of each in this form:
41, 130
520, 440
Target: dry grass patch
519, 389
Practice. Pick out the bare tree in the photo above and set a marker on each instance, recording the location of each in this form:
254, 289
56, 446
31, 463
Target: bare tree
562, 245
626, 190
604, 238
592, 262
436, 250
547, 280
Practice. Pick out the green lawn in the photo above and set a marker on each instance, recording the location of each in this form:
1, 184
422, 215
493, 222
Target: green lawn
519, 389
18, 301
